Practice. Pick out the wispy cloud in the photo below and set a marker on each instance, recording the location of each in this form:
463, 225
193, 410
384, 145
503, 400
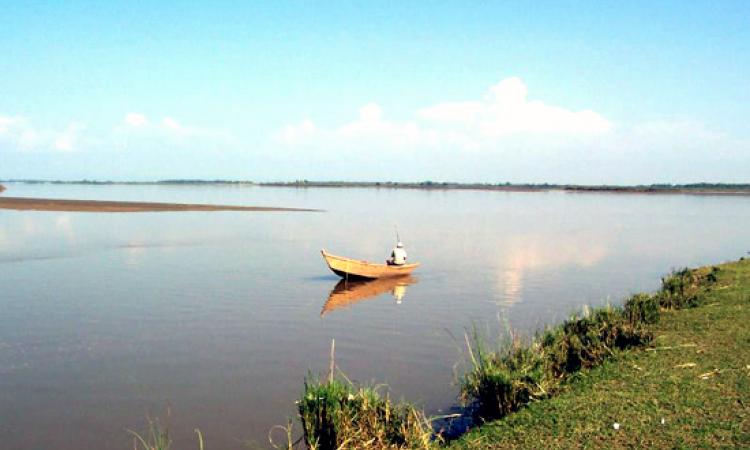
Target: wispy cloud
19, 133
369, 127
69, 139
135, 120
138, 124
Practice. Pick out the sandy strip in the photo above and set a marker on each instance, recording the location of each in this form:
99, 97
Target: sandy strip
47, 204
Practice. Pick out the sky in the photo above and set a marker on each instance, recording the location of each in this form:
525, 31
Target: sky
599, 92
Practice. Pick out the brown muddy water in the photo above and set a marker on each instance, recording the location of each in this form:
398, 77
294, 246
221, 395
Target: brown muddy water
217, 316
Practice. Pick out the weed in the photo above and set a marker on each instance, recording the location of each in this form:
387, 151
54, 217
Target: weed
337, 414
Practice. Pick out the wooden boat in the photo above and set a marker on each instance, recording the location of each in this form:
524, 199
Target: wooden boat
347, 293
353, 268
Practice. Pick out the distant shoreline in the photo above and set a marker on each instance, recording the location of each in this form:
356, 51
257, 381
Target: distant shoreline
737, 189
46, 204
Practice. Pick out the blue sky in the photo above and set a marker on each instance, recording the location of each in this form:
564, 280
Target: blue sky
583, 92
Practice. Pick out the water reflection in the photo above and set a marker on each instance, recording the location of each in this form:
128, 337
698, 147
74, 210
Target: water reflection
347, 293
525, 253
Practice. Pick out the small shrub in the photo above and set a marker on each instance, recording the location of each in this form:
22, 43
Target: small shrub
712, 277
679, 290
501, 382
336, 414
642, 308
582, 342
682, 289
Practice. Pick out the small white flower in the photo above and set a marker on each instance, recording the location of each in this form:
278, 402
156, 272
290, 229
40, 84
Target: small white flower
663, 421
616, 426
351, 397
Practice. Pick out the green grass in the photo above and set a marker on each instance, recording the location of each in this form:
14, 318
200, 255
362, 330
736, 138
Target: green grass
337, 414
695, 375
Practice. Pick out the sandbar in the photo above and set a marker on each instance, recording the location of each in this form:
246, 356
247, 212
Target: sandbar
48, 204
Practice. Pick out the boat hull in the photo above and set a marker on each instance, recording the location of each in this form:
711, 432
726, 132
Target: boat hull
356, 269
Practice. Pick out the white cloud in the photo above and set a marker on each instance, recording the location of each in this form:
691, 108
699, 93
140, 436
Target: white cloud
69, 139
505, 111
136, 120
176, 129
19, 133
137, 128
370, 124
456, 112
292, 134
171, 124
369, 129
168, 126
509, 135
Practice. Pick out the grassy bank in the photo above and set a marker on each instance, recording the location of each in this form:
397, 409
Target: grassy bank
689, 388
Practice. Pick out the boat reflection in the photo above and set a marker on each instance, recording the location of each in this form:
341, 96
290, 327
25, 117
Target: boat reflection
347, 293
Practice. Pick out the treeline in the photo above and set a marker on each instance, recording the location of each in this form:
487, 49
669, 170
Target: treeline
664, 187
429, 184
409, 185
507, 186
134, 183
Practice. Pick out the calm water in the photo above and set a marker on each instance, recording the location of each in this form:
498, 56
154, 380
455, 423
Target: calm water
107, 318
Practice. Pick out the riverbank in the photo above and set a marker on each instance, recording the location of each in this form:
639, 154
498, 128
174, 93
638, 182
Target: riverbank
47, 204
690, 388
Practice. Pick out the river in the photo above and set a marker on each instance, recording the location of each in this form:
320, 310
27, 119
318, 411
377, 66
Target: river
216, 317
